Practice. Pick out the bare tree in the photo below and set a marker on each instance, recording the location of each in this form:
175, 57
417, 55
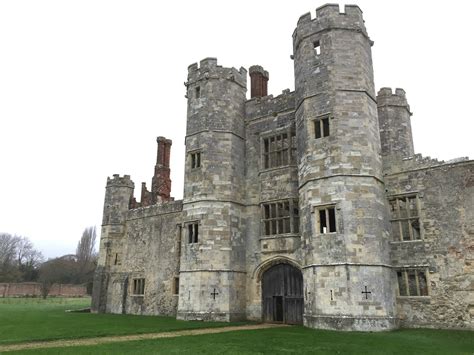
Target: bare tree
8, 245
87, 257
85, 250
19, 260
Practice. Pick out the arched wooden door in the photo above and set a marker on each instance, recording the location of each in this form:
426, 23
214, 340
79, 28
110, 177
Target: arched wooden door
282, 290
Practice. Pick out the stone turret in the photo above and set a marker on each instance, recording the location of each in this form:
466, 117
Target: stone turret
395, 125
212, 278
341, 192
118, 194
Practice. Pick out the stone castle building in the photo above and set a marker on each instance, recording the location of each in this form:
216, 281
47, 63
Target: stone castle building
310, 207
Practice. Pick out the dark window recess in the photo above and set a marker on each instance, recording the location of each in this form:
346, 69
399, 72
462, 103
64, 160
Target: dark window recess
327, 220
138, 286
193, 232
279, 150
117, 259
317, 48
198, 92
412, 282
321, 127
195, 160
176, 286
280, 217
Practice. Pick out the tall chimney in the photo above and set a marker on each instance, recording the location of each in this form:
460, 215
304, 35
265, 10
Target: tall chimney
161, 183
258, 81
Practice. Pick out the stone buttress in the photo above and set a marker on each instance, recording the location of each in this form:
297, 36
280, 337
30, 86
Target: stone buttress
348, 280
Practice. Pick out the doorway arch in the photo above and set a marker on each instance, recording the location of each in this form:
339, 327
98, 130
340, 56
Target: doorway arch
282, 294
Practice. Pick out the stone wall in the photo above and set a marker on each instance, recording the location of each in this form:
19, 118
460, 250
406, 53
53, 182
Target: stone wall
34, 289
150, 251
446, 247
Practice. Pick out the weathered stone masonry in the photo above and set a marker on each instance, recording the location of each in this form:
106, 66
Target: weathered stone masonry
323, 179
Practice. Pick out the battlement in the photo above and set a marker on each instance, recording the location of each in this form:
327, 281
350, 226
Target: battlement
208, 69
418, 161
259, 107
386, 97
329, 16
118, 181
352, 12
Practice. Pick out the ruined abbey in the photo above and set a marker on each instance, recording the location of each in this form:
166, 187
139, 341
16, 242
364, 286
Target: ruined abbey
310, 207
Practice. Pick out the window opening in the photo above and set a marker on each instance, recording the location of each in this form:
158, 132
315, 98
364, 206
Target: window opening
412, 282
193, 232
317, 48
321, 127
405, 218
280, 217
279, 150
327, 220
138, 286
195, 160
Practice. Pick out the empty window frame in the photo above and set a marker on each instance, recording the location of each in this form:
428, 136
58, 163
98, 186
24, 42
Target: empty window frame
193, 232
412, 282
326, 219
138, 287
317, 48
405, 218
197, 92
321, 127
280, 217
279, 150
195, 160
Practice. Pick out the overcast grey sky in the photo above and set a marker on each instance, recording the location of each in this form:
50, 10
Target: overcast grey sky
86, 86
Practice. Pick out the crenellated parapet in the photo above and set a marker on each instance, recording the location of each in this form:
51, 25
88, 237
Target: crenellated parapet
120, 181
155, 210
208, 69
329, 17
260, 107
386, 97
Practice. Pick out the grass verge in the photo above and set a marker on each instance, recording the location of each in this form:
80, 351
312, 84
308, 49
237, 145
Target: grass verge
35, 319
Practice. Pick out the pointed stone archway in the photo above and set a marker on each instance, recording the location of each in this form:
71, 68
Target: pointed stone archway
282, 294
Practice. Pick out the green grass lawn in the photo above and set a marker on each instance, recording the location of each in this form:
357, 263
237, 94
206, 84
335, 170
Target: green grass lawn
24, 320
35, 319
290, 340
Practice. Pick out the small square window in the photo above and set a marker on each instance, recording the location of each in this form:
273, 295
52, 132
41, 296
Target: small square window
317, 48
327, 220
321, 127
193, 232
139, 287
195, 160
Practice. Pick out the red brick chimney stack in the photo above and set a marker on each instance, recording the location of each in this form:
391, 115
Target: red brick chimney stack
161, 182
258, 81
